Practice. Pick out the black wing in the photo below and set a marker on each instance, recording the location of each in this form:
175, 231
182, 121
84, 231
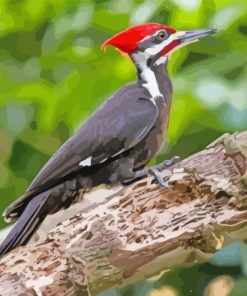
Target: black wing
118, 125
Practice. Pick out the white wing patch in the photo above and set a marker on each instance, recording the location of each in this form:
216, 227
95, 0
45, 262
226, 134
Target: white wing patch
119, 152
86, 162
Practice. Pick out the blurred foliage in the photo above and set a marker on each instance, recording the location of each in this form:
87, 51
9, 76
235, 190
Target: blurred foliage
54, 74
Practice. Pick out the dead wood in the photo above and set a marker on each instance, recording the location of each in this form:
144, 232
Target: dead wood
141, 230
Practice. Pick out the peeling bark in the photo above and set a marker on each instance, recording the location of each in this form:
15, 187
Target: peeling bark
141, 230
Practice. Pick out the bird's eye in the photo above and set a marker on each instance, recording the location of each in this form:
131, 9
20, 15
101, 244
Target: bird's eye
162, 35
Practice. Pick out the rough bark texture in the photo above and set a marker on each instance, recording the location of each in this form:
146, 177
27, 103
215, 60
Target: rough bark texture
141, 230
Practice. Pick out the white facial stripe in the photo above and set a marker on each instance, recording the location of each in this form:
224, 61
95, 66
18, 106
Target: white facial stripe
147, 74
86, 162
157, 48
161, 60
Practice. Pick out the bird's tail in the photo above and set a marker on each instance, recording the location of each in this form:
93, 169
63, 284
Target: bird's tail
31, 218
32, 211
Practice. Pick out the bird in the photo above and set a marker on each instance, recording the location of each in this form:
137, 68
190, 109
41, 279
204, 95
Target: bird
115, 144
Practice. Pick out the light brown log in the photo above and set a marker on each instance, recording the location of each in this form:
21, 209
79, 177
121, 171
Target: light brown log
140, 231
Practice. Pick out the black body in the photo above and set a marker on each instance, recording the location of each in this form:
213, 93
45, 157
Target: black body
119, 139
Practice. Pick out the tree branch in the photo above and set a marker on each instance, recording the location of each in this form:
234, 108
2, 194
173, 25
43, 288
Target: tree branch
141, 230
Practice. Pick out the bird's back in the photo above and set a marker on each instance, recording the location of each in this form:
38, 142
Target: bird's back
106, 123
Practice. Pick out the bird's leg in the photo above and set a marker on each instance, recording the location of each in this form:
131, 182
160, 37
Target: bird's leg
166, 164
154, 171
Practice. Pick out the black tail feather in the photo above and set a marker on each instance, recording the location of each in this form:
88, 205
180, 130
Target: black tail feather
36, 210
27, 224
17, 207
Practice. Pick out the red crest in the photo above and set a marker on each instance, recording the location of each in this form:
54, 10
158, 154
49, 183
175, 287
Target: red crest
128, 40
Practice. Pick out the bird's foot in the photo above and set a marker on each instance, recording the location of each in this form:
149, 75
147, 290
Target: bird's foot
155, 170
162, 181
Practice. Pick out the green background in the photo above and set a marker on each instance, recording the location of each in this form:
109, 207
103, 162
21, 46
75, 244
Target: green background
53, 74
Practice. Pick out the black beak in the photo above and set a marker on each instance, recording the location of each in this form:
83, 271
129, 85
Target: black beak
190, 36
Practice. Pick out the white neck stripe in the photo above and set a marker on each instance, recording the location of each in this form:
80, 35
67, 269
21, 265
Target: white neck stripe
147, 75
151, 83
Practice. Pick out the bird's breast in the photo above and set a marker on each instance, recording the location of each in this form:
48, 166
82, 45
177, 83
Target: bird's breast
149, 146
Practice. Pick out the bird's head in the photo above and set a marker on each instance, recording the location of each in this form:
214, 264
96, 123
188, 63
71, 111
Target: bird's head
153, 40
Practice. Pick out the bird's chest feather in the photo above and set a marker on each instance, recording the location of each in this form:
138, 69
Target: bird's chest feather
156, 135
147, 148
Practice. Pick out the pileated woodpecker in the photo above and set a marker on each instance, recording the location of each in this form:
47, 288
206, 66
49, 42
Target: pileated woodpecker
118, 139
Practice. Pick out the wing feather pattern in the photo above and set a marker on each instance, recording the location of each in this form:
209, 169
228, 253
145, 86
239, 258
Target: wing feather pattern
118, 125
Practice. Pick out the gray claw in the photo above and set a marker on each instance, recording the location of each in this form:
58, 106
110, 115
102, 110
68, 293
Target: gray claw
161, 181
